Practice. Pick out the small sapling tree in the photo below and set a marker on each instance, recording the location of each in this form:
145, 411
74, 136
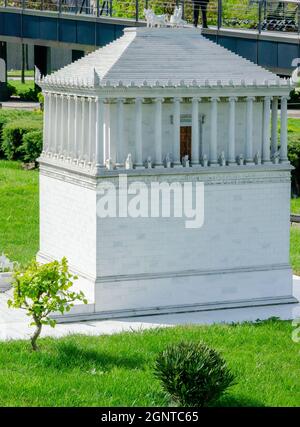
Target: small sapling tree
43, 289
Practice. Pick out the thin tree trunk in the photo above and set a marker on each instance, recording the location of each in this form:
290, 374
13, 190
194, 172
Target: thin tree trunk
36, 334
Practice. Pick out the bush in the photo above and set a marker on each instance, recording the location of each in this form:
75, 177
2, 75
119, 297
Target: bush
193, 374
12, 137
32, 145
25, 91
43, 289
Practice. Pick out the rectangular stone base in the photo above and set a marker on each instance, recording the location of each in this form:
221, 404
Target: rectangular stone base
198, 291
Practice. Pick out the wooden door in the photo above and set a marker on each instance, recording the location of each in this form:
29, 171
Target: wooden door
185, 141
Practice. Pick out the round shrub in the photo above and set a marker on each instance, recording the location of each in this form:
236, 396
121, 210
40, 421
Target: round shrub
193, 374
12, 137
32, 145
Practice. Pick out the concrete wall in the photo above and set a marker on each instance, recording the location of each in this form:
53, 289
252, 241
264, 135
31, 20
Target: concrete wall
59, 57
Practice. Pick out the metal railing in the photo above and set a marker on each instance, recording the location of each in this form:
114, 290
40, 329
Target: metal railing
259, 15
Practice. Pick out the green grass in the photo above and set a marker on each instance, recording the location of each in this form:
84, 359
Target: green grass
19, 229
295, 206
17, 73
118, 370
21, 86
295, 249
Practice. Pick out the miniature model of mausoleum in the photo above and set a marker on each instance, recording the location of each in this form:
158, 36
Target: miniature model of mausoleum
168, 105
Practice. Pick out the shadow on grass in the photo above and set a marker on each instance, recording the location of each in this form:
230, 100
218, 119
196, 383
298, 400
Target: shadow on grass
69, 356
238, 401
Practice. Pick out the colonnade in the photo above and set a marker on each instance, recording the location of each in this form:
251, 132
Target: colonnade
74, 130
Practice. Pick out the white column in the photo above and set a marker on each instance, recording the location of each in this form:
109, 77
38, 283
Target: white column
274, 137
195, 132
69, 127
62, 126
45, 122
158, 131
76, 127
120, 149
266, 130
49, 128
138, 132
56, 124
83, 128
283, 131
90, 129
99, 149
231, 130
249, 129
214, 131
176, 132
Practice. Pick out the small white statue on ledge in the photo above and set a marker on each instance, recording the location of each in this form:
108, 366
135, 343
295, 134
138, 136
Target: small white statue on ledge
168, 161
128, 162
204, 161
276, 157
148, 163
222, 160
109, 164
185, 161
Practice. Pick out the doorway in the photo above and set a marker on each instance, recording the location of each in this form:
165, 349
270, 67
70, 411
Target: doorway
185, 142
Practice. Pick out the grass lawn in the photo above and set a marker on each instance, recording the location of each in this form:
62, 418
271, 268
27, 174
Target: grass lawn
117, 370
21, 86
17, 73
19, 232
295, 206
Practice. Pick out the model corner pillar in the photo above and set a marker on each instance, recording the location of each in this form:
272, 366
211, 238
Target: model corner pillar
266, 154
120, 148
138, 132
214, 131
195, 131
176, 131
283, 131
158, 131
274, 135
231, 145
249, 130
99, 149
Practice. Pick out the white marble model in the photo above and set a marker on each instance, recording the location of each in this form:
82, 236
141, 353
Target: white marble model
163, 94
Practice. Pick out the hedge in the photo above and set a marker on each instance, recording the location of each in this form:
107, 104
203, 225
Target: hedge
7, 116
25, 91
32, 145
12, 137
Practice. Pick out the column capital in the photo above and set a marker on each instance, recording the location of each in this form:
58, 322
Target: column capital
215, 99
196, 99
285, 97
159, 99
177, 99
232, 98
250, 98
139, 99
121, 100
268, 98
